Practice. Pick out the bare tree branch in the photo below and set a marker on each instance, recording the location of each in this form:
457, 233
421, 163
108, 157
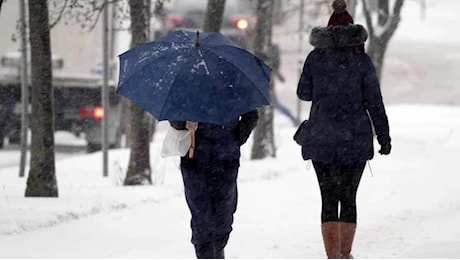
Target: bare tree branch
395, 18
56, 21
389, 23
392, 23
84, 13
367, 15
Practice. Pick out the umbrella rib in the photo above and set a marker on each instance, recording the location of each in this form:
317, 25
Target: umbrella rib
172, 85
257, 59
243, 72
217, 105
209, 75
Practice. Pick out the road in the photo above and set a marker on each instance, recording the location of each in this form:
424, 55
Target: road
66, 145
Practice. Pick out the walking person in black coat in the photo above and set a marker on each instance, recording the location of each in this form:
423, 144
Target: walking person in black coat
340, 80
210, 180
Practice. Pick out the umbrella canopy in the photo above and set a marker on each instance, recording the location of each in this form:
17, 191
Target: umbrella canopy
194, 76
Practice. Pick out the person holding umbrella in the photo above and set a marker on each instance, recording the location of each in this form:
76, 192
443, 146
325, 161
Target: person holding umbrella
340, 80
210, 180
204, 83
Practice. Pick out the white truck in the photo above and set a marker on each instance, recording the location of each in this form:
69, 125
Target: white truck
77, 82
77, 105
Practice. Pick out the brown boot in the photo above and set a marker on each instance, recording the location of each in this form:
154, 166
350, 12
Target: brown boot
347, 234
330, 231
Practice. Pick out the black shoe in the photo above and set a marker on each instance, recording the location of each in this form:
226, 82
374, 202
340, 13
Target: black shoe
204, 251
219, 254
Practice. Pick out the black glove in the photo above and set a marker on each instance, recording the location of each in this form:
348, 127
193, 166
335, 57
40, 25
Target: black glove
243, 135
247, 123
385, 148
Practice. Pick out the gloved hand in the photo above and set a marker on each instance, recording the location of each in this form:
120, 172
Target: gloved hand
243, 135
385, 148
247, 123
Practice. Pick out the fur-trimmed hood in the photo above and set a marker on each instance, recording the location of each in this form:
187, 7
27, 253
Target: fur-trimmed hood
338, 36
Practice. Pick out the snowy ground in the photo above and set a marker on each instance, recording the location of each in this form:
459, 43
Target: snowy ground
408, 202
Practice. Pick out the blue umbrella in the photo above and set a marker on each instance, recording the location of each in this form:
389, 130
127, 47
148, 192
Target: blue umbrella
194, 76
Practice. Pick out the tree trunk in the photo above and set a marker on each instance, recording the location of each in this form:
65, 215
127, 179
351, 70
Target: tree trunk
41, 181
352, 7
380, 35
214, 15
376, 51
264, 144
139, 170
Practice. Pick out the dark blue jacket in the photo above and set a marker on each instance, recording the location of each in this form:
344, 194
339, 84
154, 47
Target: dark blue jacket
345, 93
214, 143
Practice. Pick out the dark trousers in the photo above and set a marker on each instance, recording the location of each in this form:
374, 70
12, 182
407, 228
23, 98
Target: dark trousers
211, 194
338, 184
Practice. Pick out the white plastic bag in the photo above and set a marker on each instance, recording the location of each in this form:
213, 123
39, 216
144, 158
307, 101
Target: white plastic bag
176, 143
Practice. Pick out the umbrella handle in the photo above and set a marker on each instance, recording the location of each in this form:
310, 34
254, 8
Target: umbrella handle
191, 151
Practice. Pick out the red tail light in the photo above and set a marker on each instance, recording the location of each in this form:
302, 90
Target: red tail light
175, 20
94, 112
85, 111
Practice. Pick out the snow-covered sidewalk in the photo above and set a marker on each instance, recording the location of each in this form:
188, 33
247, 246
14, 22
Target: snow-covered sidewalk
408, 204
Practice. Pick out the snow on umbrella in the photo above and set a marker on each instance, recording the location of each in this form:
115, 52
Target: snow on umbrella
190, 76
185, 77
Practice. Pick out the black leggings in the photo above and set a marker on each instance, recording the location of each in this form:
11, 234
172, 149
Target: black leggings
338, 184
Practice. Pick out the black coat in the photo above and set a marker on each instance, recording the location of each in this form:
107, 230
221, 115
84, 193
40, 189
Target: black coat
221, 142
210, 180
345, 93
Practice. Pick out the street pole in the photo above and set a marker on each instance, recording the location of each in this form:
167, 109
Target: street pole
301, 27
105, 88
24, 90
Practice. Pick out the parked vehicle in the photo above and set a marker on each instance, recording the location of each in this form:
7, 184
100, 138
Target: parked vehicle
77, 105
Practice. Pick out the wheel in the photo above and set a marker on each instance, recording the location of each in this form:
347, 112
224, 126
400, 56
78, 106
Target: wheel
14, 138
90, 148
